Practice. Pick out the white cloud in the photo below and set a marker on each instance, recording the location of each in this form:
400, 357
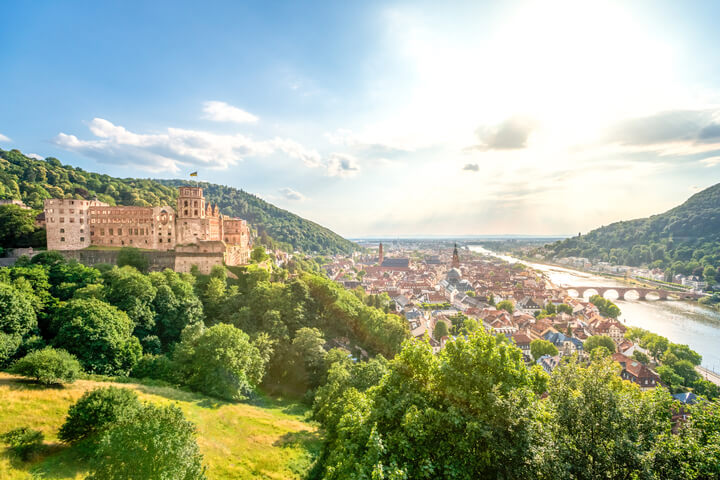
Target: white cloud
342, 165
3, 138
163, 151
710, 161
471, 167
223, 112
291, 194
176, 149
35, 156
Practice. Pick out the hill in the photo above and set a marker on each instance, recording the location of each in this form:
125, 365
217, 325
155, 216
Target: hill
685, 239
32, 181
237, 440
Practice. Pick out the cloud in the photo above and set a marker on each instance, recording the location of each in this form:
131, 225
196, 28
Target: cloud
170, 150
342, 165
662, 127
291, 194
471, 167
710, 161
35, 156
3, 138
223, 112
176, 149
511, 134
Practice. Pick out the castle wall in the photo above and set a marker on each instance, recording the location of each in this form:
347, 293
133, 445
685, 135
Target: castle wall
142, 227
66, 221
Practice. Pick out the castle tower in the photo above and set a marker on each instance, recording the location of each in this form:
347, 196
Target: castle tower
455, 258
380, 254
191, 213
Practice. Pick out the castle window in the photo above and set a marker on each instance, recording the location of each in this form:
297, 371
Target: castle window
196, 212
82, 239
82, 230
72, 219
160, 240
186, 203
111, 232
120, 233
62, 230
72, 202
82, 220
186, 212
195, 204
62, 239
62, 219
72, 210
102, 231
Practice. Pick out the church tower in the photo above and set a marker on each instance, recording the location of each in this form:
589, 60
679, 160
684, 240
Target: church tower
380, 254
455, 258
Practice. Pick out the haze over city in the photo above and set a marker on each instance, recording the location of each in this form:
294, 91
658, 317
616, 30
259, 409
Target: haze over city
380, 118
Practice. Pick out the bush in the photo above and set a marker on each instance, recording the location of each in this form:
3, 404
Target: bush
95, 411
23, 442
156, 443
157, 367
48, 366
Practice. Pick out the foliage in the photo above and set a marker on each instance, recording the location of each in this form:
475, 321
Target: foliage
133, 257
603, 427
17, 228
506, 305
258, 254
99, 335
17, 319
220, 361
606, 307
24, 442
96, 411
596, 341
48, 366
540, 347
149, 442
432, 415
156, 367
441, 330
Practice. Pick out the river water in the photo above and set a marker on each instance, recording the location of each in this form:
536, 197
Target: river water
680, 321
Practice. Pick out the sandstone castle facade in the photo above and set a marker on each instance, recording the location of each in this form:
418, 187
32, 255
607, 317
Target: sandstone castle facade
196, 232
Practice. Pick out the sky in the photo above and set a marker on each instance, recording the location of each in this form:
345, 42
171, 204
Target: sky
380, 118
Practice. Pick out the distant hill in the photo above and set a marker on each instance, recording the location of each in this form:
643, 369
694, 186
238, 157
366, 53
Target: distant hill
685, 239
32, 181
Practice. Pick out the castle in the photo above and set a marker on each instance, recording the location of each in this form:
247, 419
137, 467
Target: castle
197, 233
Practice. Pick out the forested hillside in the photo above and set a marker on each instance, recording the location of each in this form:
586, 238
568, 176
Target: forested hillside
683, 240
32, 181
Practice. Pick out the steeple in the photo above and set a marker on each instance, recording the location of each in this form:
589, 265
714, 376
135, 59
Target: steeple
455, 258
380, 254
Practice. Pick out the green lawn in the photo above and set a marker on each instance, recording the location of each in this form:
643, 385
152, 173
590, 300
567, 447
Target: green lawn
266, 439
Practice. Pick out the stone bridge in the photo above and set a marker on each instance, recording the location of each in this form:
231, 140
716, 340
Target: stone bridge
642, 293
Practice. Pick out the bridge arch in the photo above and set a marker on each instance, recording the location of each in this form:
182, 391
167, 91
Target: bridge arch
590, 291
612, 294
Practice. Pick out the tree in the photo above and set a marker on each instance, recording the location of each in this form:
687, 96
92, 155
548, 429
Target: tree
133, 257
564, 308
606, 307
709, 275
48, 366
599, 341
17, 319
641, 357
24, 442
133, 293
656, 344
506, 305
99, 334
175, 305
309, 352
95, 411
220, 361
16, 226
603, 427
149, 442
441, 330
258, 254
539, 347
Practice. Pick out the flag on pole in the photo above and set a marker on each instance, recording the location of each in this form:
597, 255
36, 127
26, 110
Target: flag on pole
193, 174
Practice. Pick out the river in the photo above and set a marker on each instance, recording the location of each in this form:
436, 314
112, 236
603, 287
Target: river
680, 321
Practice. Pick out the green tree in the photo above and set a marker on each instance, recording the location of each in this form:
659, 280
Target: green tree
95, 411
606, 307
133, 257
133, 293
48, 366
539, 347
16, 226
596, 341
564, 308
441, 330
17, 319
24, 442
220, 361
258, 254
149, 443
506, 305
603, 427
99, 334
309, 352
641, 357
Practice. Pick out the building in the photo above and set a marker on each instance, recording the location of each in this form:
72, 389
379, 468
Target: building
196, 232
636, 372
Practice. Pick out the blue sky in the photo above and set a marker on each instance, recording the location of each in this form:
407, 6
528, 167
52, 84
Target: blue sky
380, 118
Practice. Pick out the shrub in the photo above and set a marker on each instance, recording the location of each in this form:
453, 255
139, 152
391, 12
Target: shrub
157, 443
23, 442
157, 367
48, 366
95, 411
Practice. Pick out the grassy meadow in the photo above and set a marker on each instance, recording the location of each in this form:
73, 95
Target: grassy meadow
268, 438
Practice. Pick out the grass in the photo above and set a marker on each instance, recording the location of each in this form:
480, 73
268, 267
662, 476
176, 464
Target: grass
268, 439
